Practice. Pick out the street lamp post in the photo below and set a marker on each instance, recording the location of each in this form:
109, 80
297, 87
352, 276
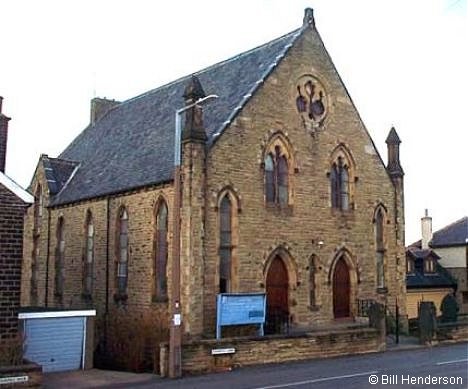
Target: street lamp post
175, 336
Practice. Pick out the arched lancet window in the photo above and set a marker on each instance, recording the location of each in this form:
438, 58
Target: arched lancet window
312, 286
380, 247
122, 264
225, 245
38, 203
59, 259
89, 256
269, 179
340, 182
344, 185
282, 179
276, 177
160, 252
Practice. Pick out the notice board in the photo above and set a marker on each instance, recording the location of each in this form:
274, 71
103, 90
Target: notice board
240, 309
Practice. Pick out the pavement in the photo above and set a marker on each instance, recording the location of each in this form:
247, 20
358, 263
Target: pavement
96, 378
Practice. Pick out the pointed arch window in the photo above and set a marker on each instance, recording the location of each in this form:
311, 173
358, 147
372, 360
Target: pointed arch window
276, 177
88, 257
38, 205
339, 181
269, 179
225, 245
37, 213
380, 247
122, 264
59, 259
312, 286
160, 252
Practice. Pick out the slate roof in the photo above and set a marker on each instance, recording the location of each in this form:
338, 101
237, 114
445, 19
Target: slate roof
132, 145
57, 172
455, 234
440, 278
452, 235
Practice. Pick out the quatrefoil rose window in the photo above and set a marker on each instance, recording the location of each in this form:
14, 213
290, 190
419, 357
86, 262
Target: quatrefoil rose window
311, 101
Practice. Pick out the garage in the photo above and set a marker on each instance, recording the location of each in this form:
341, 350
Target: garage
58, 340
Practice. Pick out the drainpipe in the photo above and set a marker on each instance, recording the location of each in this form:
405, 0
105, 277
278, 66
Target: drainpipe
46, 300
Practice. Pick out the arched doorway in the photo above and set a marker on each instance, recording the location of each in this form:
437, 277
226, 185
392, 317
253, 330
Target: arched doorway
341, 289
277, 285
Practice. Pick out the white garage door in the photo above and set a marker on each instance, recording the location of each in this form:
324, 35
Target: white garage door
55, 343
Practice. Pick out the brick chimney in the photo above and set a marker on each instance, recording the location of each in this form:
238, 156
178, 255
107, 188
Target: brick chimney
3, 137
99, 107
426, 230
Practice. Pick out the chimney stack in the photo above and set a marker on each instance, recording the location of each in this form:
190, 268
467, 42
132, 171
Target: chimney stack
99, 107
3, 137
426, 230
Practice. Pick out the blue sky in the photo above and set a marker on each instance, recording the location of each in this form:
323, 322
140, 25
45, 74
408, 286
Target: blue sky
404, 64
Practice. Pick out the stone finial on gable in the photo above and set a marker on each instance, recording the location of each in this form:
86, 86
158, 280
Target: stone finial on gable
194, 90
393, 145
309, 17
194, 129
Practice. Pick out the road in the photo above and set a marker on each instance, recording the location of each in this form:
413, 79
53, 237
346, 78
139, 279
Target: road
447, 365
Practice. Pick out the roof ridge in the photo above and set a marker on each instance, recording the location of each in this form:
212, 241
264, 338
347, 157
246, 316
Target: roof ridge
210, 67
63, 160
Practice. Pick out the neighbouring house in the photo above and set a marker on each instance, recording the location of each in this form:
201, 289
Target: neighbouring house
426, 280
283, 192
451, 245
14, 201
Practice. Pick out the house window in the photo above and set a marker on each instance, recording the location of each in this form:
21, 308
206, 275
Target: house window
312, 272
122, 263
380, 247
429, 265
276, 177
59, 259
339, 181
225, 245
89, 257
160, 252
409, 265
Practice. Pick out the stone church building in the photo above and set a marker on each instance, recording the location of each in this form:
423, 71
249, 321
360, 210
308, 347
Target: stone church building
283, 192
